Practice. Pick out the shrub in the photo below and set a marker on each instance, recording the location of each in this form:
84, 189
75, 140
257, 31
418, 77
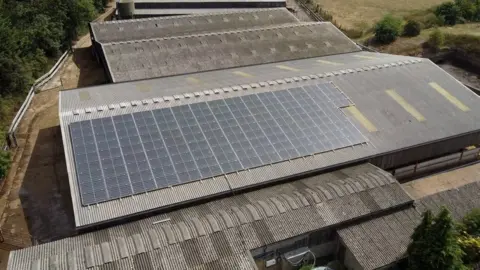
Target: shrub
471, 222
437, 39
388, 29
431, 20
449, 12
411, 29
471, 247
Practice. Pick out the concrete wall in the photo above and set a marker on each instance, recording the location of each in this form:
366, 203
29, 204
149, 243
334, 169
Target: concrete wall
350, 262
425, 152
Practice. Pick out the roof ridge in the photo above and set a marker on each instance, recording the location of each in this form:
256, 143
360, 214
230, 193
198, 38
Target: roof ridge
252, 29
234, 88
254, 10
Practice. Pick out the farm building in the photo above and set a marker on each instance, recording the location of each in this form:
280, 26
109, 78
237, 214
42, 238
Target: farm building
389, 110
247, 146
128, 9
161, 27
160, 57
322, 216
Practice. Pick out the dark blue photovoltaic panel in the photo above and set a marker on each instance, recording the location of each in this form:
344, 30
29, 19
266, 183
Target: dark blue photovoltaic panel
134, 153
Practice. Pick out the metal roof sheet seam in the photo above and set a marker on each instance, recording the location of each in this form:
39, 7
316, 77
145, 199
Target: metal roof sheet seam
182, 25
259, 10
237, 31
182, 227
194, 53
393, 231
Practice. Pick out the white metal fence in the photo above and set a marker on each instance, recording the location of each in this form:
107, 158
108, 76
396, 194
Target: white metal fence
11, 139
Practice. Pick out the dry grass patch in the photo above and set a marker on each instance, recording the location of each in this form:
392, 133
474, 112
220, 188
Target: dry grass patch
357, 14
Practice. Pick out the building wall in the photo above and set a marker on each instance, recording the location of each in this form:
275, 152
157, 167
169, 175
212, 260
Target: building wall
350, 262
321, 243
424, 152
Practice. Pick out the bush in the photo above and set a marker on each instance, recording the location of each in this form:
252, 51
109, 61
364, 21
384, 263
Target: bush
471, 222
449, 12
411, 29
431, 20
468, 9
471, 247
388, 29
437, 39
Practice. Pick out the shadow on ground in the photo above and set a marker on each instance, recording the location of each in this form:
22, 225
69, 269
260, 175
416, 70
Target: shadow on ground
45, 193
89, 71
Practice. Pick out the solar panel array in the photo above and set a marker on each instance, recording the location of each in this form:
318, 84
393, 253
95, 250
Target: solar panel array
134, 153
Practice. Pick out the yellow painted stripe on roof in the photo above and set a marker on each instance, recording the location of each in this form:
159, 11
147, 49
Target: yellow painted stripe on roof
329, 62
193, 80
287, 68
84, 95
365, 57
405, 105
449, 97
142, 87
243, 74
362, 119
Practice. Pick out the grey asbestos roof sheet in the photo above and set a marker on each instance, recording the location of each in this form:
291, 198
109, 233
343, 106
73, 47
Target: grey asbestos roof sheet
382, 241
396, 128
159, 27
153, 12
159, 57
220, 234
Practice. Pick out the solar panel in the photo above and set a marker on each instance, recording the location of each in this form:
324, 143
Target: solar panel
135, 153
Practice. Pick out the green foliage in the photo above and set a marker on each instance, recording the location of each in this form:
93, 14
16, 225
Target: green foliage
431, 20
470, 245
449, 12
436, 39
4, 163
471, 222
434, 244
307, 267
31, 34
468, 9
419, 242
387, 29
412, 29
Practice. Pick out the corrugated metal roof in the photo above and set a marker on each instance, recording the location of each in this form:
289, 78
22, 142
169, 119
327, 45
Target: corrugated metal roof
397, 129
154, 12
96, 96
382, 241
157, 27
159, 57
186, 239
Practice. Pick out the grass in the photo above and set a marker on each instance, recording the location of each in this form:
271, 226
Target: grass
460, 36
360, 14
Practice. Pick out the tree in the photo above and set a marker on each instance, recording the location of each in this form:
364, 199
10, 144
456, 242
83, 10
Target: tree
419, 242
388, 29
449, 12
467, 9
412, 28
434, 244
